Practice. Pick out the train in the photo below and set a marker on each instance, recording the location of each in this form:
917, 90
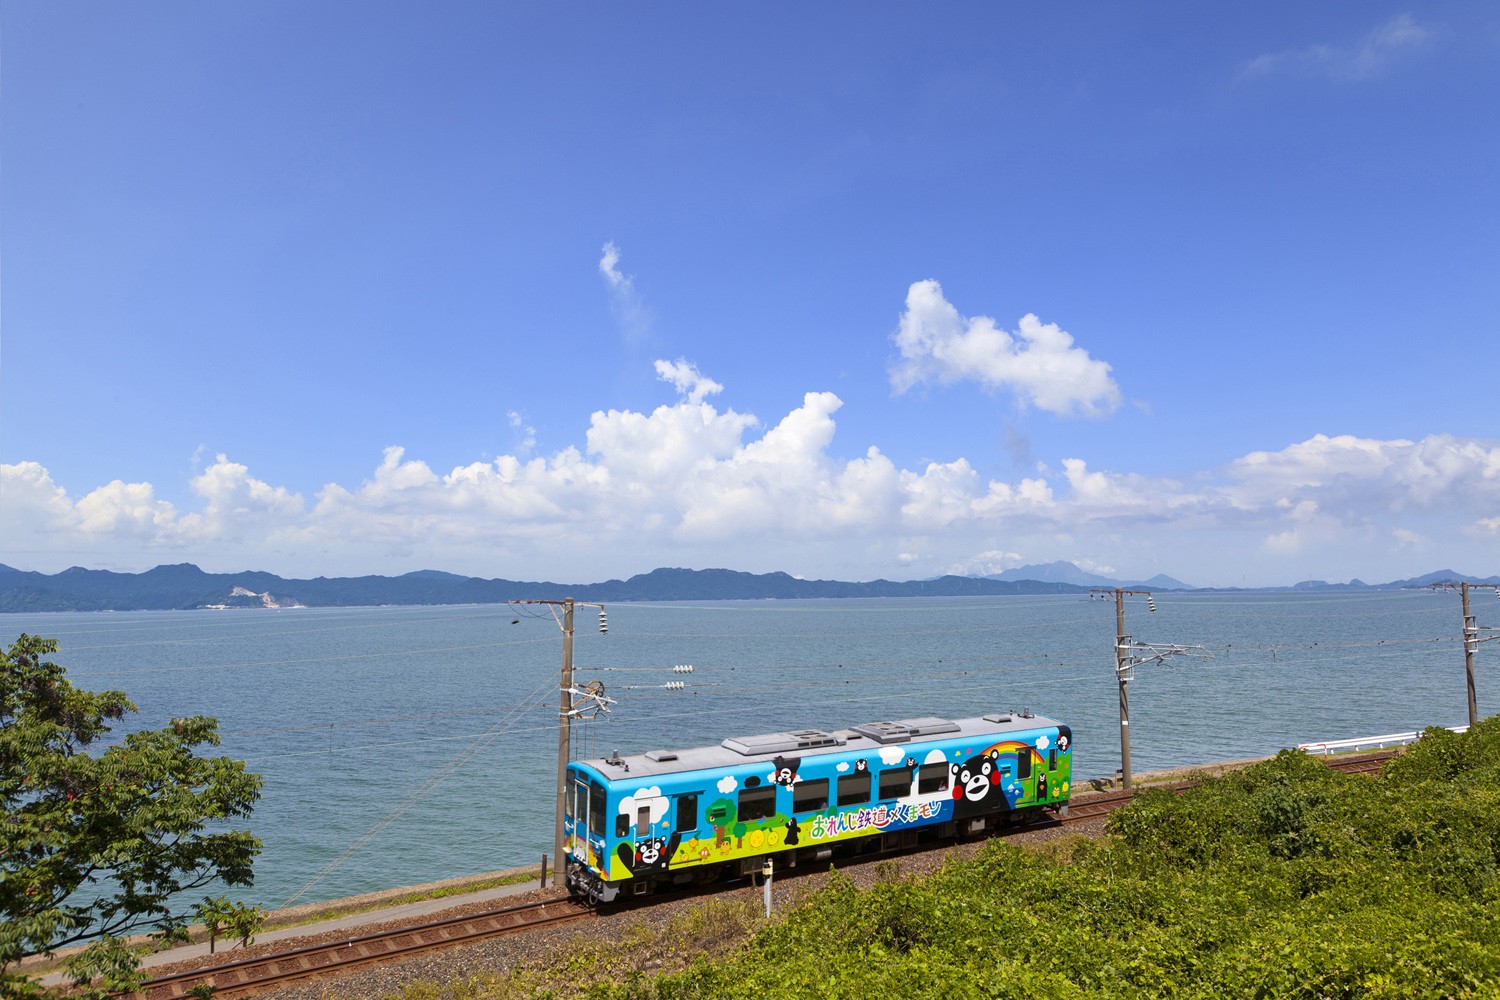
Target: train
641, 822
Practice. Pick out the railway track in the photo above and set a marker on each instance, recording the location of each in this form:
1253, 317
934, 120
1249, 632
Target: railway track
256, 975
1369, 763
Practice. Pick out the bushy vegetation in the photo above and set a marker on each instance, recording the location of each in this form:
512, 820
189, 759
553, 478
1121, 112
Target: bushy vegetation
1286, 879
99, 841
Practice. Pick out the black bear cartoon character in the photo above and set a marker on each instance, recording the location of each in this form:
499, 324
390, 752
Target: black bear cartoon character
1064, 738
786, 770
651, 854
793, 830
1041, 786
861, 765
976, 785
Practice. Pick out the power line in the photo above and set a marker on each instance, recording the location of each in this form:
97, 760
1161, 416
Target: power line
453, 767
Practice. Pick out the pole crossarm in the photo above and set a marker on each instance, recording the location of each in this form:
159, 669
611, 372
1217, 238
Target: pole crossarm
1104, 593
590, 700
1131, 654
564, 604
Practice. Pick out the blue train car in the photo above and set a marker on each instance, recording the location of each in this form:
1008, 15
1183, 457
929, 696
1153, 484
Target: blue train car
676, 816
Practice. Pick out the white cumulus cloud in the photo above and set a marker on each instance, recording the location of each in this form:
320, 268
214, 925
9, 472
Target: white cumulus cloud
1037, 362
120, 508
1364, 475
690, 382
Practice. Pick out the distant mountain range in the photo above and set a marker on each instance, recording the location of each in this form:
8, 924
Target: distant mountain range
1066, 572
185, 586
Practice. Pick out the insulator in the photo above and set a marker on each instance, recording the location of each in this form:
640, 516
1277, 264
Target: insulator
603, 623
683, 668
674, 685
1150, 602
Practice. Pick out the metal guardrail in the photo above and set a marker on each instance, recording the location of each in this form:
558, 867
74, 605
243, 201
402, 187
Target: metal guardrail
1369, 742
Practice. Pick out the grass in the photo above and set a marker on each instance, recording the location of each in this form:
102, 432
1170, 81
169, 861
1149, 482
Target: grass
334, 911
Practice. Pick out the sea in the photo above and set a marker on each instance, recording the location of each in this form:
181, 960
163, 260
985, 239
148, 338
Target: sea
402, 745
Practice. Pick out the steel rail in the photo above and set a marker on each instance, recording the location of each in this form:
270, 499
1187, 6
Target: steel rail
252, 975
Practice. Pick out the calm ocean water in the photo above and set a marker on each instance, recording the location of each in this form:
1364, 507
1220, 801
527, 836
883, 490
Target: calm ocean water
404, 745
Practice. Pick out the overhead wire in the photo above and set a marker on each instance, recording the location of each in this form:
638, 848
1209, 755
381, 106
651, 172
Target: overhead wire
453, 767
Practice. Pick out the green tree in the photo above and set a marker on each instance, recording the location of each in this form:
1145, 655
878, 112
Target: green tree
220, 914
97, 842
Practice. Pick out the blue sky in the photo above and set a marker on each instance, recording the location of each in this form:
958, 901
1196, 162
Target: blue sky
571, 291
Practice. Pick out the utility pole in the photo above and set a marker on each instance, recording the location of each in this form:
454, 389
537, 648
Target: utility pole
564, 735
566, 709
1472, 639
1126, 661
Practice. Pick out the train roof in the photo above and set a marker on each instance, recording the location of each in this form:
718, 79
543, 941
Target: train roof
740, 750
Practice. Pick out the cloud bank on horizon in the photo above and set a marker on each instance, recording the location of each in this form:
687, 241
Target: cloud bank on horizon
691, 483
688, 484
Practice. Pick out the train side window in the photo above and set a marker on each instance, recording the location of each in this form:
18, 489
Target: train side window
854, 789
1052, 759
1023, 763
622, 825
895, 783
758, 803
687, 812
932, 778
810, 796
643, 821
596, 809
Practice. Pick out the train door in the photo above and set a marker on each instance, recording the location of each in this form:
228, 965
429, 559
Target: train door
578, 809
686, 820
585, 819
649, 811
